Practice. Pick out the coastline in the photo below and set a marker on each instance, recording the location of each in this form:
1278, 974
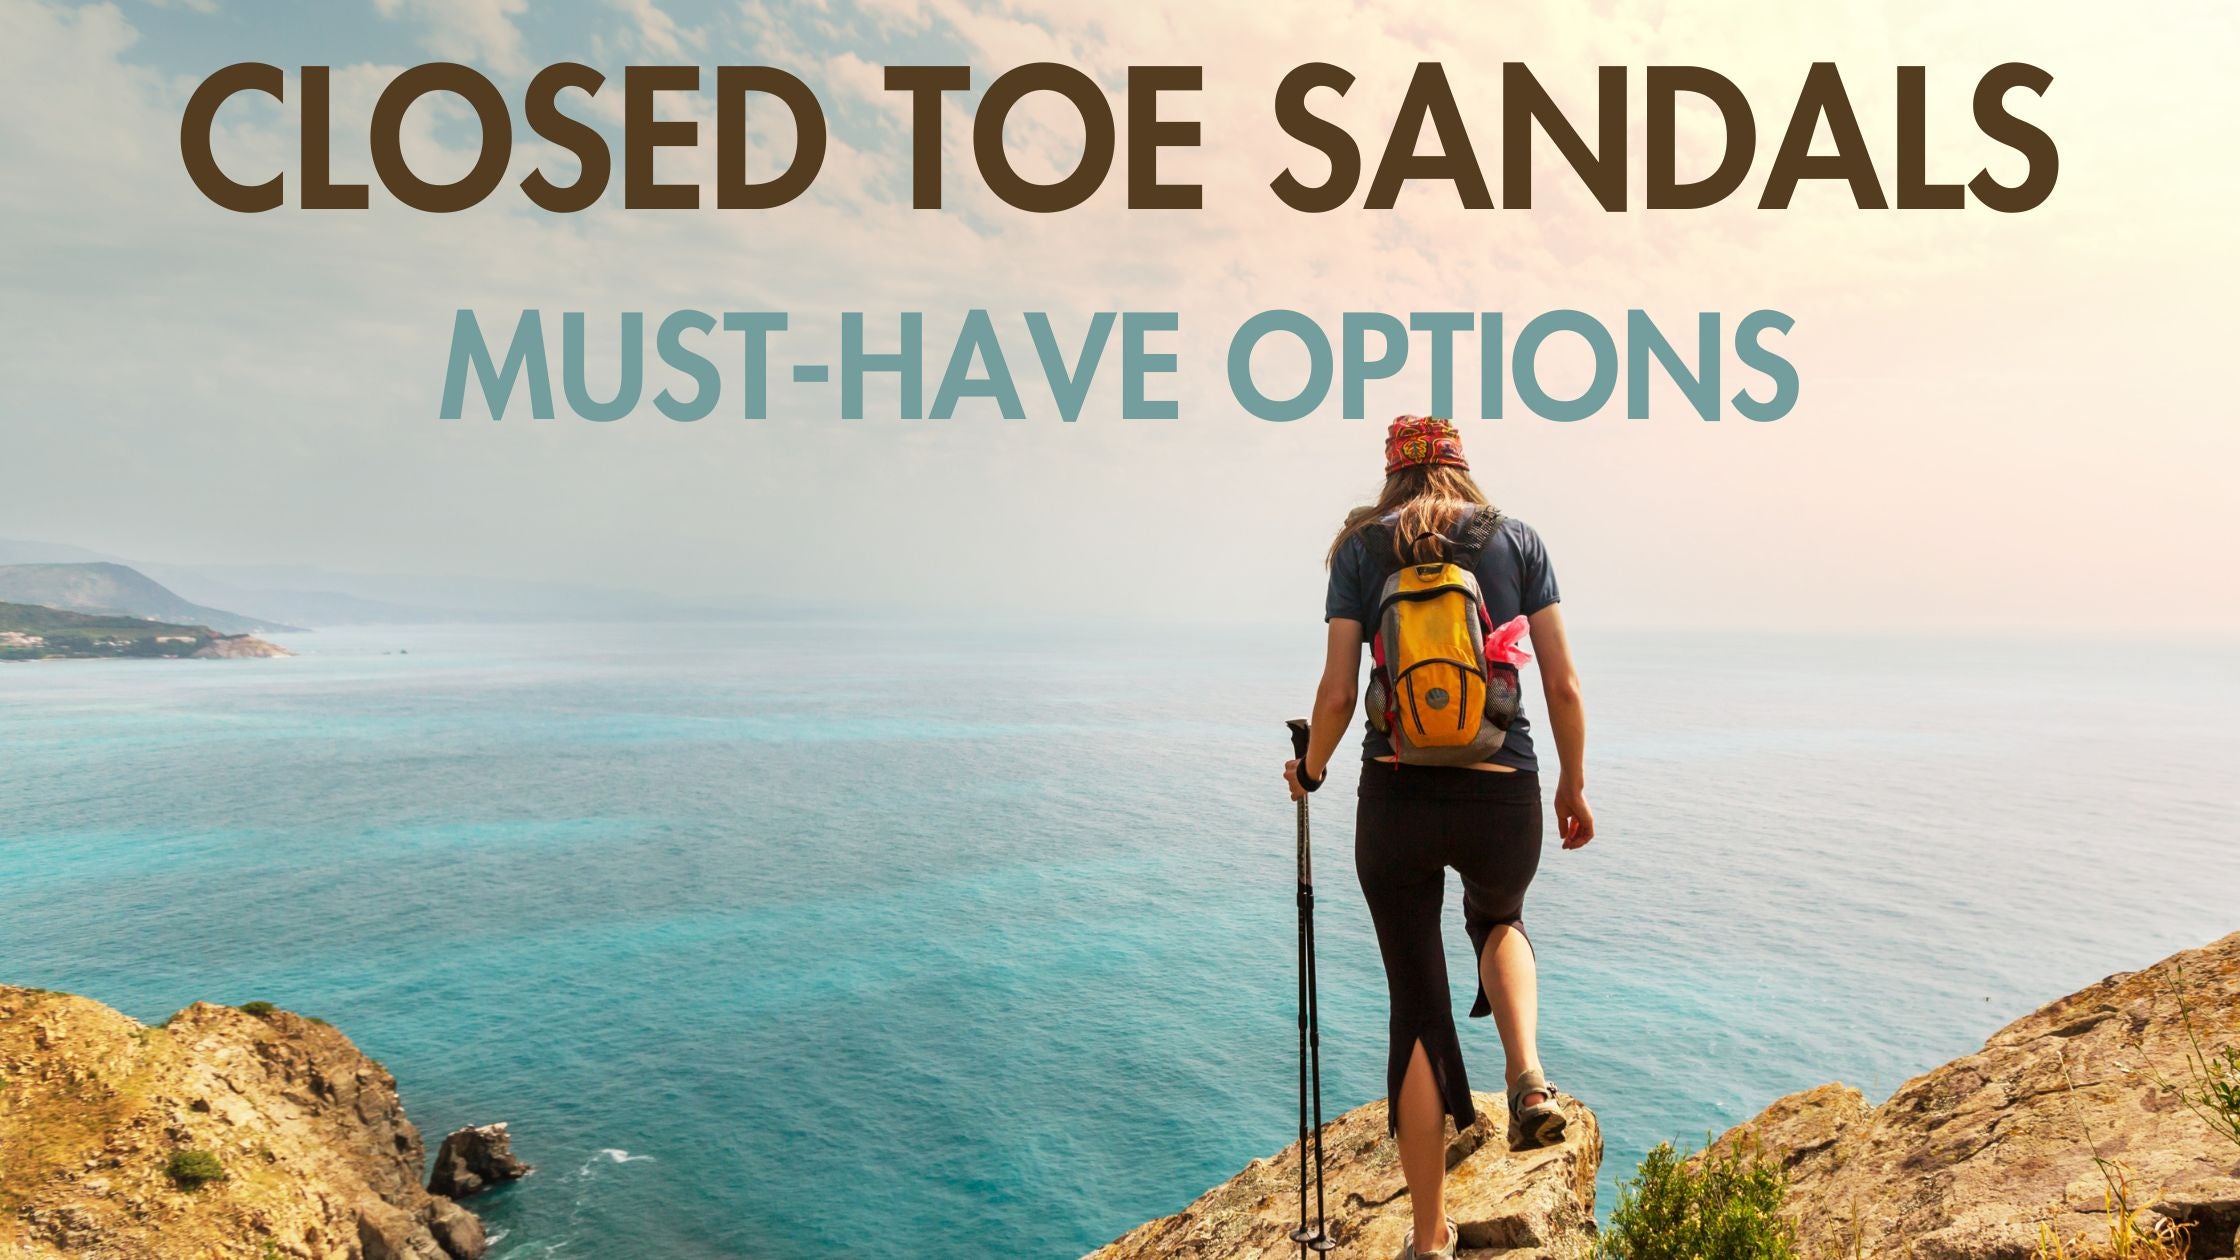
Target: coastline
671, 843
252, 1130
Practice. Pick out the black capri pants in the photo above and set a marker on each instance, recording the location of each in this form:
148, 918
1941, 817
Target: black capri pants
1412, 823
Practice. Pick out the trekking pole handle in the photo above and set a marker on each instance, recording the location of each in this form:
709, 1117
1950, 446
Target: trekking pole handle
1299, 750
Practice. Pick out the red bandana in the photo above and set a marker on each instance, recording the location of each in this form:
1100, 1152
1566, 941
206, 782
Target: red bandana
1415, 440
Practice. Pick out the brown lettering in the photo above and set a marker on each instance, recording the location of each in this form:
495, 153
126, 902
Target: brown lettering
1524, 102
1330, 139
542, 109
2034, 145
388, 137
1823, 96
996, 104
1430, 98
643, 134
733, 191
194, 136
925, 84
1147, 134
1738, 141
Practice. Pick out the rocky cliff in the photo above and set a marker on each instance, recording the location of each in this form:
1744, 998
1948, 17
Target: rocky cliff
1972, 1160
223, 1133
234, 647
1534, 1205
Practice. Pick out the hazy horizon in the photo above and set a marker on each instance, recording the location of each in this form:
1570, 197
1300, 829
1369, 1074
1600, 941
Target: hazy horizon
433, 601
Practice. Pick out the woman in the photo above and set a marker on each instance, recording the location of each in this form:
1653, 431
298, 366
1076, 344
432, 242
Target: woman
1414, 821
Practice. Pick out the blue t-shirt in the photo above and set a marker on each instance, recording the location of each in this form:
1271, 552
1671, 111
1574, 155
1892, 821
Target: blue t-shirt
1513, 575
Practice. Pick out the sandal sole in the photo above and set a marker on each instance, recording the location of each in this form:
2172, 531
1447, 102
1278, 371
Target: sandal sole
1537, 1131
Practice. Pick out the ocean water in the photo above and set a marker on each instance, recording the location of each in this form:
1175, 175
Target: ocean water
785, 940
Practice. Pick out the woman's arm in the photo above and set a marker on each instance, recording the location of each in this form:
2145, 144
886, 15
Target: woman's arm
1567, 714
1333, 702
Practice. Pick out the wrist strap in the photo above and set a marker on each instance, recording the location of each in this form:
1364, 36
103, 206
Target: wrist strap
1308, 781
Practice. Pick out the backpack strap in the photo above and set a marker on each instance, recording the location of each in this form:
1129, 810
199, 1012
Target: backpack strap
1376, 543
1471, 542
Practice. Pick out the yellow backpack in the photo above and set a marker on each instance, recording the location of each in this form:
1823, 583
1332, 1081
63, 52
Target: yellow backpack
1433, 692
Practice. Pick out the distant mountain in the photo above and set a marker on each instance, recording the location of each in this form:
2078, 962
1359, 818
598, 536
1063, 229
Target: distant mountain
314, 599
306, 595
326, 597
24, 551
40, 619
102, 588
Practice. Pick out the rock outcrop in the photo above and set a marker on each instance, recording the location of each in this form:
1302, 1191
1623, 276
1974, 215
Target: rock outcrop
1532, 1205
473, 1160
223, 1133
1970, 1161
235, 647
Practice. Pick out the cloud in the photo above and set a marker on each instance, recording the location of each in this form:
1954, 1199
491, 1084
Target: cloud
477, 31
657, 33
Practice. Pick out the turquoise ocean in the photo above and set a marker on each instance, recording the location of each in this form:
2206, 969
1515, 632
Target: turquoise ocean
787, 939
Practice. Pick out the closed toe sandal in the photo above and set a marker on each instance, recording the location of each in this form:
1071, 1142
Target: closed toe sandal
1540, 1124
1408, 1249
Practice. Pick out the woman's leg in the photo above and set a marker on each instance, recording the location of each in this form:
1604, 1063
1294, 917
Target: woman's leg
1422, 1116
1424, 1074
1512, 989
1404, 882
1498, 860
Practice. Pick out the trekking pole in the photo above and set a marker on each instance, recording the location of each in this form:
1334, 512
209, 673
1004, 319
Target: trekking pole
1317, 1238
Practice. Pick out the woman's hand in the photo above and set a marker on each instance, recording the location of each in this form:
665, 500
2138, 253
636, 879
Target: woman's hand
1567, 713
1333, 703
1574, 821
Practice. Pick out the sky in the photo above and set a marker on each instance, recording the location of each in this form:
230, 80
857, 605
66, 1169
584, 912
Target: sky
2005, 422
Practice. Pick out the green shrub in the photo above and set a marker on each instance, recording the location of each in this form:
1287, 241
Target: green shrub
259, 1009
2212, 1088
1722, 1205
193, 1170
2215, 1095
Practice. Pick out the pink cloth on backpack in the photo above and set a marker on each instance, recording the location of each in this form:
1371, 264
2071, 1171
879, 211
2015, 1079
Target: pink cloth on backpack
1503, 645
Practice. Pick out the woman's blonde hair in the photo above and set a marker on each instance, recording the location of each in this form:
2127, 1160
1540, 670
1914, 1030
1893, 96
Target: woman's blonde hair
1424, 502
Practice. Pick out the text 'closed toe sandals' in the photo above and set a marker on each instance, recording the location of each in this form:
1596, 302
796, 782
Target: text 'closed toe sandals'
1540, 1124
